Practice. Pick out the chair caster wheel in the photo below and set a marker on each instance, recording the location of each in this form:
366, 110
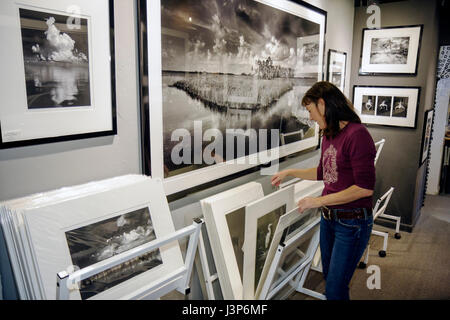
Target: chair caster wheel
362, 265
397, 236
382, 253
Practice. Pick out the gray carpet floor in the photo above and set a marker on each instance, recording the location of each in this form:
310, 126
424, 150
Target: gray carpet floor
417, 266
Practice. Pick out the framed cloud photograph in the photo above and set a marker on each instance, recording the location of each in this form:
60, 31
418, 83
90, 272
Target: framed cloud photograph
224, 215
225, 84
57, 79
390, 106
337, 64
391, 50
426, 135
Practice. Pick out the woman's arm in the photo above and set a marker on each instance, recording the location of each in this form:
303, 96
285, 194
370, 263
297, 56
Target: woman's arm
305, 174
345, 196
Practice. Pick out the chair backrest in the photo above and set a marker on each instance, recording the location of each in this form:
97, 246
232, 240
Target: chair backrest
377, 210
379, 145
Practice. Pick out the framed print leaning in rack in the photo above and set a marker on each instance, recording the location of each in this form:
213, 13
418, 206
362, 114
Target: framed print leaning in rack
426, 136
391, 50
337, 63
57, 80
225, 83
390, 106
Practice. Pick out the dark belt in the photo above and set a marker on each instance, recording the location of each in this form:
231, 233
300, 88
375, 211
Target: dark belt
334, 214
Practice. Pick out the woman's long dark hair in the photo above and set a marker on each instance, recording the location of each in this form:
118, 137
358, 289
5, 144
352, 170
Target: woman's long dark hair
337, 106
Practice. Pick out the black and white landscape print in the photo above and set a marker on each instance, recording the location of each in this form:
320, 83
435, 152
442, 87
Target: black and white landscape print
389, 50
400, 108
368, 105
99, 241
56, 59
233, 65
384, 106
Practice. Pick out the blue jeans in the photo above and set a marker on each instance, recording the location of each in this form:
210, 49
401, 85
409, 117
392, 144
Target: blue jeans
342, 244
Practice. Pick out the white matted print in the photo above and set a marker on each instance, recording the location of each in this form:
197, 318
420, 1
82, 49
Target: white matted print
261, 220
57, 78
392, 50
93, 227
289, 224
205, 62
391, 106
224, 216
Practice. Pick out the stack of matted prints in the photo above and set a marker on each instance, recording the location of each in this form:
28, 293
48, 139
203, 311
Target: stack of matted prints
245, 228
75, 227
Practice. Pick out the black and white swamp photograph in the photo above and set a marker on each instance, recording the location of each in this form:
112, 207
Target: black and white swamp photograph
56, 59
102, 240
233, 65
389, 50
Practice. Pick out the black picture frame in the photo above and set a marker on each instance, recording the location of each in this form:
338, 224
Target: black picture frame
329, 63
87, 135
412, 74
146, 106
416, 105
427, 135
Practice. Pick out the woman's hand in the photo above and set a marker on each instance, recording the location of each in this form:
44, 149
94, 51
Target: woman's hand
308, 203
278, 177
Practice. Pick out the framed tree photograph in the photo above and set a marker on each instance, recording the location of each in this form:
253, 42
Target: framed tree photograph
57, 79
426, 136
337, 64
390, 106
225, 84
391, 50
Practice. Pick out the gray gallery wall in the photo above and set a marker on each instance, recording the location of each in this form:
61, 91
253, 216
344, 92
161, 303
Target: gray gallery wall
398, 165
28, 170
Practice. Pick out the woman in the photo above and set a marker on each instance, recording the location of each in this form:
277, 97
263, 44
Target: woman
347, 169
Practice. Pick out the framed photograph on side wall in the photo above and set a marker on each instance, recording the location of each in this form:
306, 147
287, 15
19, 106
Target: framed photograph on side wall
57, 65
390, 106
225, 85
337, 63
426, 135
391, 50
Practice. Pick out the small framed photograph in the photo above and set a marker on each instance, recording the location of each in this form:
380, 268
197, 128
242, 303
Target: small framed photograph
426, 136
337, 63
57, 80
391, 50
390, 106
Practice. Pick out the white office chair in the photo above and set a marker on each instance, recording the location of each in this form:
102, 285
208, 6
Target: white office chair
378, 211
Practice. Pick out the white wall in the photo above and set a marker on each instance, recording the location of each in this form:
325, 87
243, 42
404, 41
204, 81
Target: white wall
32, 169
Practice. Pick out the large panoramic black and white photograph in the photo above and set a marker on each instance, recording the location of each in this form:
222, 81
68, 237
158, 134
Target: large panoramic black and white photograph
56, 59
102, 240
233, 65
391, 50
